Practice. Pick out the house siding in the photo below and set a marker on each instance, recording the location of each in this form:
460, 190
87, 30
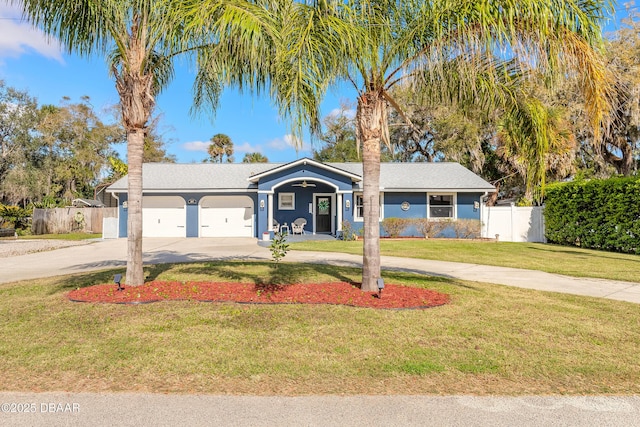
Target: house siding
392, 208
466, 209
417, 208
122, 215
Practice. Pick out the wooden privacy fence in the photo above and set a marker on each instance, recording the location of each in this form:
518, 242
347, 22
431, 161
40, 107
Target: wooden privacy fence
70, 219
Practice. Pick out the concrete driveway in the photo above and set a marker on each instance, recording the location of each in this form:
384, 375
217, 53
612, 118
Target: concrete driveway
103, 254
112, 253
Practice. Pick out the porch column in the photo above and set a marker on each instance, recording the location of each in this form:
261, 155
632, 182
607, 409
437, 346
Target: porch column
340, 207
270, 211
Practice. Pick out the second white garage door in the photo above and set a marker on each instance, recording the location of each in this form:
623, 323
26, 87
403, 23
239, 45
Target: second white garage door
163, 216
226, 216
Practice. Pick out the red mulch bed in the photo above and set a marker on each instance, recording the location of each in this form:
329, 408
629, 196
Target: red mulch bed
393, 296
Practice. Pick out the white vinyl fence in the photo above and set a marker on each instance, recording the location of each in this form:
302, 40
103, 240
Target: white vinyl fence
513, 223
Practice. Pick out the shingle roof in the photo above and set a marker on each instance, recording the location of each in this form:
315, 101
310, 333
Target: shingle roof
234, 176
195, 176
423, 175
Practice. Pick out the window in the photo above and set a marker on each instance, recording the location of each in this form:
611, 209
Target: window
441, 206
286, 201
358, 211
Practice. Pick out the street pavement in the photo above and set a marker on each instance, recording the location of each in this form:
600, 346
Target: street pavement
159, 410
141, 409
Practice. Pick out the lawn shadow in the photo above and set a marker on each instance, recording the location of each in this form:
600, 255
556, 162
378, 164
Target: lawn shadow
151, 272
265, 273
262, 273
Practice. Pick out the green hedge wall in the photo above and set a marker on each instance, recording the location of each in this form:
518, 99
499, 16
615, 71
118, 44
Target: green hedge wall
596, 214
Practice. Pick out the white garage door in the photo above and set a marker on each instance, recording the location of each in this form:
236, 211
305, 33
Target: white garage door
163, 216
226, 216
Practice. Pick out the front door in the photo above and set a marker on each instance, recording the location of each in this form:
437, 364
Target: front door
323, 214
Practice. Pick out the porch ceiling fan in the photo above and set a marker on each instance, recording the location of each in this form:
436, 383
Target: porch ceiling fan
304, 184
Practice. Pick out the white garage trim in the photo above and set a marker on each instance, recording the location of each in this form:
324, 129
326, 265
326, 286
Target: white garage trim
164, 216
226, 216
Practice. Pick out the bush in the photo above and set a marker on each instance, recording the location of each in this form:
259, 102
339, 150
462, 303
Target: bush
466, 228
430, 227
278, 248
596, 214
348, 232
14, 217
393, 227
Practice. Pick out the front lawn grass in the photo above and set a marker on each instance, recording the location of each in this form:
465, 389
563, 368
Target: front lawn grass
557, 259
489, 339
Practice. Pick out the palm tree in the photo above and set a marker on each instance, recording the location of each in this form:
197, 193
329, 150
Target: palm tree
255, 158
139, 39
531, 137
220, 147
468, 51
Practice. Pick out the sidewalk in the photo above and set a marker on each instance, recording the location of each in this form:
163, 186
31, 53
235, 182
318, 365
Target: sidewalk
112, 254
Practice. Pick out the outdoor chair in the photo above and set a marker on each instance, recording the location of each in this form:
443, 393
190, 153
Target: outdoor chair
276, 226
297, 226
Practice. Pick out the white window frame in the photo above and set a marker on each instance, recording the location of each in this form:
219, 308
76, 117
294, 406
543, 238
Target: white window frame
357, 218
284, 206
454, 203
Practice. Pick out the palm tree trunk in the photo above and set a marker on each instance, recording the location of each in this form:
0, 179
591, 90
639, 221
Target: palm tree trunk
370, 114
135, 148
135, 88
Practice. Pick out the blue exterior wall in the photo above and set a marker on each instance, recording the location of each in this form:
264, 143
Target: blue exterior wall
347, 213
418, 209
262, 213
122, 215
393, 209
465, 205
192, 214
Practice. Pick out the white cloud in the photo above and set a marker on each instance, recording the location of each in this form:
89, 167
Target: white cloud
287, 142
196, 146
245, 147
203, 146
18, 37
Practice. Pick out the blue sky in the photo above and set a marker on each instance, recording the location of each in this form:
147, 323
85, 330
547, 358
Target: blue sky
29, 62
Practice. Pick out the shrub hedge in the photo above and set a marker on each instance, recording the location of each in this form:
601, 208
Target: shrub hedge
15, 217
595, 214
428, 227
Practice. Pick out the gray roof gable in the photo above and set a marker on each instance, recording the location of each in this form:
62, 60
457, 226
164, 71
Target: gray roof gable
334, 167
174, 177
